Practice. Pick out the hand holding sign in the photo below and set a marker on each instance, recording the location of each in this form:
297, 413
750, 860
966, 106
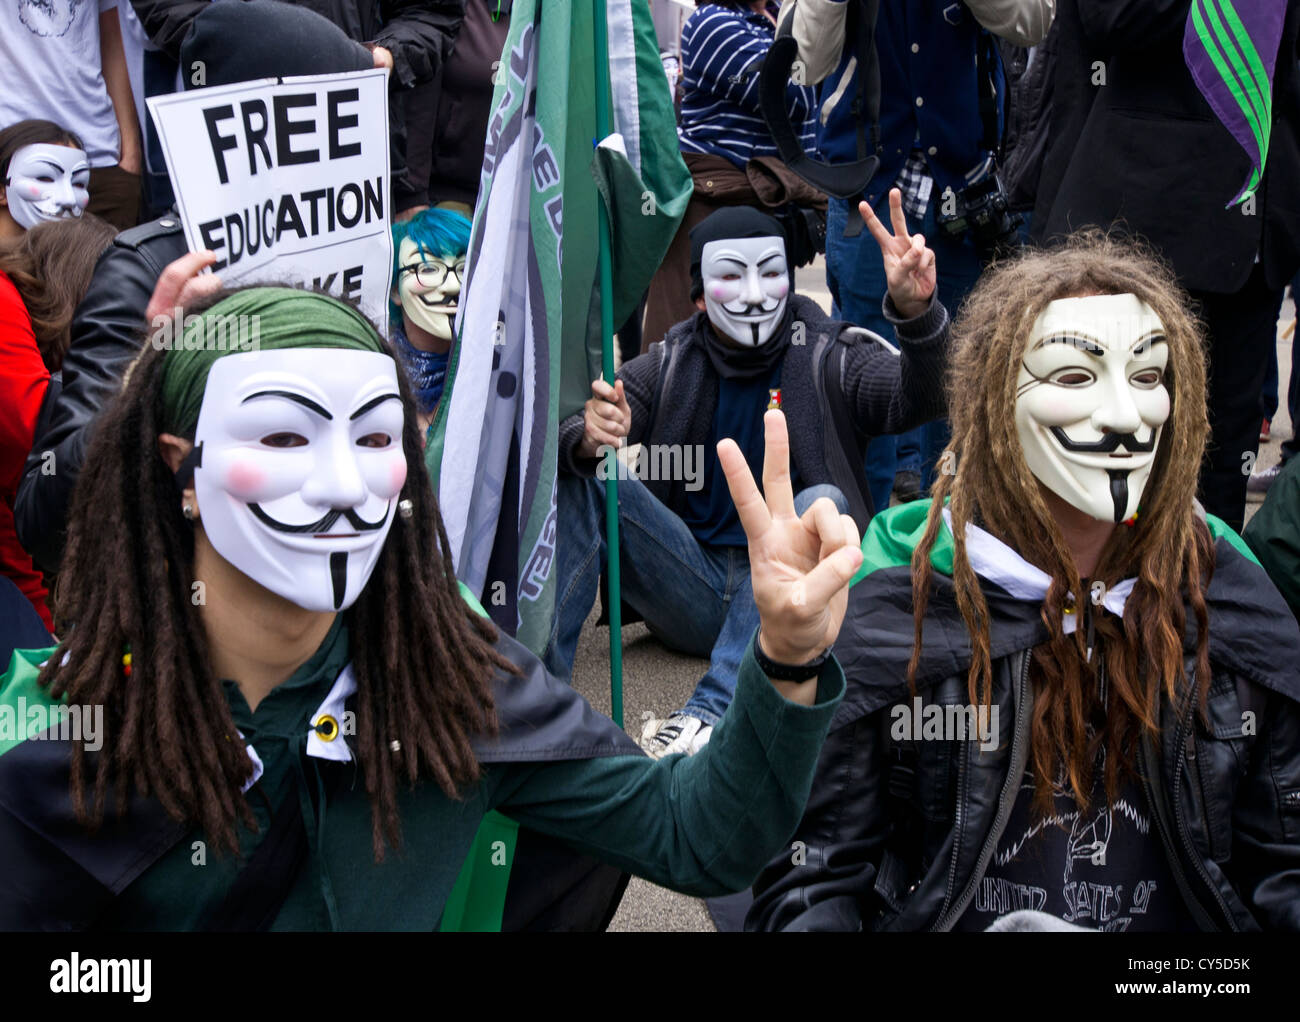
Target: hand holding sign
799, 567
182, 282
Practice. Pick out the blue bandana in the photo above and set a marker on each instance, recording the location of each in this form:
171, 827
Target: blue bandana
427, 370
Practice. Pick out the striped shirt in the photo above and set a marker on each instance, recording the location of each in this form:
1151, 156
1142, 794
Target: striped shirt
722, 51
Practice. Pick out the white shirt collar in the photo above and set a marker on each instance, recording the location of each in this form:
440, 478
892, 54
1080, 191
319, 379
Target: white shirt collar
333, 706
992, 559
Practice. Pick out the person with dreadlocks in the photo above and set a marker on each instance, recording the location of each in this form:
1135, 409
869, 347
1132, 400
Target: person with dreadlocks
1072, 694
428, 268
272, 674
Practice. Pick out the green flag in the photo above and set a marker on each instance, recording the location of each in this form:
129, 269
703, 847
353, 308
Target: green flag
529, 337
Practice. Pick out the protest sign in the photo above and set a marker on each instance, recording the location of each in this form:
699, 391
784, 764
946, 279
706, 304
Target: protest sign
286, 180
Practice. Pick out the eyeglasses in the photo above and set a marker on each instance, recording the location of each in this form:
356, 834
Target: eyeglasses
433, 275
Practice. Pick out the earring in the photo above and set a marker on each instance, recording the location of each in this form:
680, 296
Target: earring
395, 745
187, 510
406, 509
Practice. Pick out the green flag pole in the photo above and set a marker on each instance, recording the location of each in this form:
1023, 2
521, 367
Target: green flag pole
615, 607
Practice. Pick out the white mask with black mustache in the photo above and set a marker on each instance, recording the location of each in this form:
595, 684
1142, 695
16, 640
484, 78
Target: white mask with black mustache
47, 182
299, 466
746, 283
429, 287
1091, 401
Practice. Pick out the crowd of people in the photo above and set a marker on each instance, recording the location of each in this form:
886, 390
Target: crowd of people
996, 638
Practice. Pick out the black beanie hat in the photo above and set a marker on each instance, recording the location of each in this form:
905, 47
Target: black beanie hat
728, 222
242, 40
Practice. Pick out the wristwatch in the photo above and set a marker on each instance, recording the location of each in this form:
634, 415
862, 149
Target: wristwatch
788, 672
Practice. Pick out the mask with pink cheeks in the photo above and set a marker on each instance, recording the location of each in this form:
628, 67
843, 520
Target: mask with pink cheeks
746, 284
300, 468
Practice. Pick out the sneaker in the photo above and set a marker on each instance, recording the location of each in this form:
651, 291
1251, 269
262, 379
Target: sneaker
1263, 432
907, 486
679, 733
1260, 481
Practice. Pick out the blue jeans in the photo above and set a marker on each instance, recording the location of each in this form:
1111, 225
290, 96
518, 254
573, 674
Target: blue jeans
855, 277
694, 597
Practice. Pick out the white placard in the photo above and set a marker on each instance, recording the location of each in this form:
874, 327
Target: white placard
287, 179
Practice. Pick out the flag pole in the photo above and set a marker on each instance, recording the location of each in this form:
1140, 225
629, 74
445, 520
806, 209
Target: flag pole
615, 607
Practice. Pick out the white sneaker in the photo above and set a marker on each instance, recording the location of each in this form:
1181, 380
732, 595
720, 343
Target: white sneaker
679, 733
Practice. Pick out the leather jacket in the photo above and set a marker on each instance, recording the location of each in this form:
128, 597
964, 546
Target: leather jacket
897, 835
107, 332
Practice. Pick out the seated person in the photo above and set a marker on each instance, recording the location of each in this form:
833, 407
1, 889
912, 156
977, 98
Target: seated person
280, 672
1072, 692
428, 270
1274, 533
750, 347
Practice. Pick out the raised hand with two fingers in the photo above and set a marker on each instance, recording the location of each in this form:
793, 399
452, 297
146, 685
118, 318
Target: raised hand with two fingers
800, 567
909, 262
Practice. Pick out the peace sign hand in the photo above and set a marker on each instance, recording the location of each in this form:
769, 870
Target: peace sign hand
799, 567
909, 263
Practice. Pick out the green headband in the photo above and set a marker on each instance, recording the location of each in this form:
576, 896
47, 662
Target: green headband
256, 319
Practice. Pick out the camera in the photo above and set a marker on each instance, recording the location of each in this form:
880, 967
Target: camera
983, 210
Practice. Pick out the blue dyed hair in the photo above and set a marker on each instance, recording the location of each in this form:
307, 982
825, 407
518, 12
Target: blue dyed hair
435, 232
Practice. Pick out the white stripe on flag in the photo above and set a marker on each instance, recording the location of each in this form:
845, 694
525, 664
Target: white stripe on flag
475, 454
626, 113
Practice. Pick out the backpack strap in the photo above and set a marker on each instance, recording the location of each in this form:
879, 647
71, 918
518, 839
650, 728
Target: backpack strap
850, 437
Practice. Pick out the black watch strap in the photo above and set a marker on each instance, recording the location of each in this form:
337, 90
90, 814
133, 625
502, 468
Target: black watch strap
788, 672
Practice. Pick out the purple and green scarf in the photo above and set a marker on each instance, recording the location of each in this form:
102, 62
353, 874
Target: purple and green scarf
1231, 51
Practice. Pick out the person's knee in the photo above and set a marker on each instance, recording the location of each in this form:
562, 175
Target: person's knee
808, 496
578, 498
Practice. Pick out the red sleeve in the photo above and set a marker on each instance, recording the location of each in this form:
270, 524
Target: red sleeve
23, 382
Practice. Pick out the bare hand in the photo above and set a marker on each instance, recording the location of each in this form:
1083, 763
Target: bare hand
132, 160
606, 418
383, 57
181, 283
909, 263
799, 568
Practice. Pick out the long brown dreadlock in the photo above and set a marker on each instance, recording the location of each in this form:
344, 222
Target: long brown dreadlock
1168, 549
423, 660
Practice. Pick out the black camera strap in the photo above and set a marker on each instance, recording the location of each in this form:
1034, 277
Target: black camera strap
866, 104
988, 103
841, 180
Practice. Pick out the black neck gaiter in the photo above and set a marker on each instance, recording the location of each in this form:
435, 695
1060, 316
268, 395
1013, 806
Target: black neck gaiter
731, 361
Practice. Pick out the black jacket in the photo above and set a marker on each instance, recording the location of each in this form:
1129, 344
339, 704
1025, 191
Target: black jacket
107, 332
56, 878
1145, 147
418, 33
447, 119
841, 386
1029, 116
897, 835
